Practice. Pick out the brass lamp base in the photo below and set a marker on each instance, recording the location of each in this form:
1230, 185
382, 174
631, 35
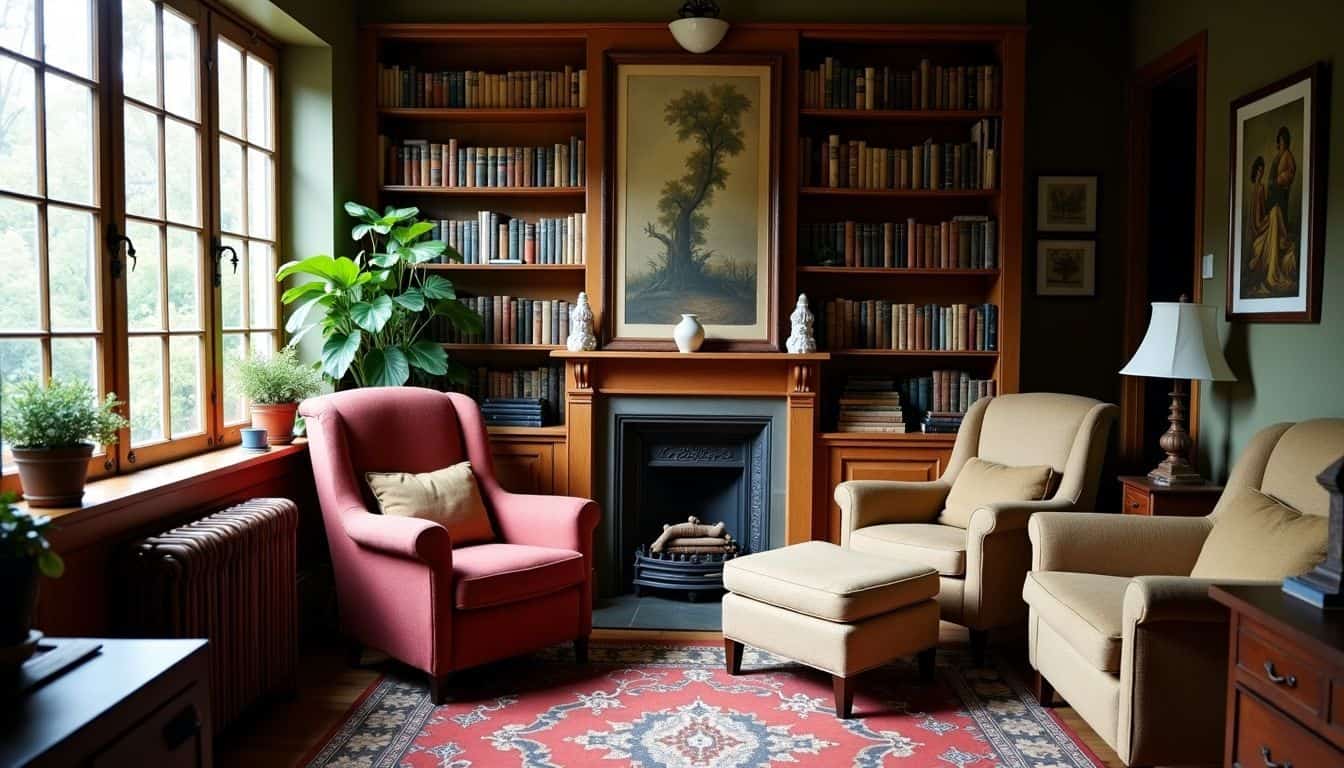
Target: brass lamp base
1176, 469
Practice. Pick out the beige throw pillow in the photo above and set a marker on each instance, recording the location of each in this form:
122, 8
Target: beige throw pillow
1259, 537
983, 482
447, 496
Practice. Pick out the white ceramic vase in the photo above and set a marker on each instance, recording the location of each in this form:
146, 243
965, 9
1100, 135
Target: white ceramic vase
689, 334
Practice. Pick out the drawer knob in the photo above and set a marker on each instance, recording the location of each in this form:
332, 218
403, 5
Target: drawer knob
1269, 760
1287, 681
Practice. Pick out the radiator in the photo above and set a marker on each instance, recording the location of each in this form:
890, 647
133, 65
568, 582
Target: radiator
228, 577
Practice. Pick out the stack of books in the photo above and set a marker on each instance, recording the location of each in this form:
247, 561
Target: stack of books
870, 404
513, 412
424, 163
929, 86
400, 86
510, 320
516, 240
852, 164
964, 242
879, 324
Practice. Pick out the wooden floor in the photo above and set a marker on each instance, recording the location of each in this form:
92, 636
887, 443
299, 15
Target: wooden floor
283, 733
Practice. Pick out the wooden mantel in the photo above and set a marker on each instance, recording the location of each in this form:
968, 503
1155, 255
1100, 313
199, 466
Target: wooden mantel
591, 375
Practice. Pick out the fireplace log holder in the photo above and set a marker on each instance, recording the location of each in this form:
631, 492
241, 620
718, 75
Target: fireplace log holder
696, 575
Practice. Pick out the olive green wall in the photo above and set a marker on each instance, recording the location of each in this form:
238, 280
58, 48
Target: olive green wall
1286, 372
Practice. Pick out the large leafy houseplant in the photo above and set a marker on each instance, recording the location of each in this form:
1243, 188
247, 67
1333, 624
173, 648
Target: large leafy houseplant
24, 552
376, 306
52, 431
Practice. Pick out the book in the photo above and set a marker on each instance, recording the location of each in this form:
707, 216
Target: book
407, 86
410, 162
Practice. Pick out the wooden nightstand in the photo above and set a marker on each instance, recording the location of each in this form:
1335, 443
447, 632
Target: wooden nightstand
1144, 497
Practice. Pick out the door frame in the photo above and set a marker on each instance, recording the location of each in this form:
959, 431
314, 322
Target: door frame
1192, 53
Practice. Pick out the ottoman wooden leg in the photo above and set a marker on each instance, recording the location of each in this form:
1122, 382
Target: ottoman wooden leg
732, 656
844, 696
927, 662
581, 649
1045, 692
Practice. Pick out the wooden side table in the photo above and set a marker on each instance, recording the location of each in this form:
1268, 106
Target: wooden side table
1144, 497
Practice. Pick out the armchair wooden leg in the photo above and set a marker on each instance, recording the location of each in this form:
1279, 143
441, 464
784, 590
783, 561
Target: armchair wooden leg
1045, 692
438, 689
979, 646
927, 663
354, 654
732, 656
581, 649
844, 696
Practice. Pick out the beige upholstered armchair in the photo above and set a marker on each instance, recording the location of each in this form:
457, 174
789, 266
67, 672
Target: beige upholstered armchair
980, 549
1121, 623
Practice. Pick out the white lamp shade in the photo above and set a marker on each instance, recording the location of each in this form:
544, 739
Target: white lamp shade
1181, 343
698, 34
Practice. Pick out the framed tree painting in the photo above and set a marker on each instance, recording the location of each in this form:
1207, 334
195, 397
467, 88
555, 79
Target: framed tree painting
694, 221
1276, 238
1066, 268
1066, 203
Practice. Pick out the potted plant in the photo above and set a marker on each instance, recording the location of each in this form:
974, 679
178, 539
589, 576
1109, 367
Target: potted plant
376, 306
24, 553
52, 431
274, 386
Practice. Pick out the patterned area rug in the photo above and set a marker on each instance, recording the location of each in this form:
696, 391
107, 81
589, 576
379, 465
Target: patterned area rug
674, 706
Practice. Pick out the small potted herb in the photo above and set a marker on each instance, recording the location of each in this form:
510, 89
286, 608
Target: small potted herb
52, 431
24, 553
275, 385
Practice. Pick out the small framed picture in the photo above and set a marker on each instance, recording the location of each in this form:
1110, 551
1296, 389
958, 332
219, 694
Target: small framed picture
1066, 268
1066, 203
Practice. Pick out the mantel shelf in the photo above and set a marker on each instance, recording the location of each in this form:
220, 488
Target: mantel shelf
599, 354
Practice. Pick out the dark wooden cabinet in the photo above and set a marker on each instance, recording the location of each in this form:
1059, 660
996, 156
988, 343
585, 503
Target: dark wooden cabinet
1144, 497
530, 460
1285, 680
135, 703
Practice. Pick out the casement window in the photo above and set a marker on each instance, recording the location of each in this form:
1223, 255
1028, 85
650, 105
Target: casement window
137, 211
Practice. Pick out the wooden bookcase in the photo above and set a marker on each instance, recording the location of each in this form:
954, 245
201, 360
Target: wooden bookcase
838, 456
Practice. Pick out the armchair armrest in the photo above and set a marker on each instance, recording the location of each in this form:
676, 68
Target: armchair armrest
1115, 545
873, 502
1011, 515
566, 522
1152, 599
407, 537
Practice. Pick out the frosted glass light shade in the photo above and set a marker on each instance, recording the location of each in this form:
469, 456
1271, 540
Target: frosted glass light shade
698, 34
1181, 343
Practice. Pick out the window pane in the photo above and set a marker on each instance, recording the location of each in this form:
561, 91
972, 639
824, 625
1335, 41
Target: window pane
260, 183
261, 273
259, 118
143, 310
182, 156
263, 345
142, 162
70, 140
230, 186
66, 27
21, 307
229, 66
20, 360
71, 258
18, 127
184, 280
17, 25
184, 358
179, 65
234, 408
75, 360
231, 287
139, 50
146, 395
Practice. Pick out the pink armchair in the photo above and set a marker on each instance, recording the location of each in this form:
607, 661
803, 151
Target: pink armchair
402, 587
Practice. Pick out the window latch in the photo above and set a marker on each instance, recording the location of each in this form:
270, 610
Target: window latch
114, 241
220, 250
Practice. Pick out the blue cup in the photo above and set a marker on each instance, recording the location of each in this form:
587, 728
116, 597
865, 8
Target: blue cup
254, 439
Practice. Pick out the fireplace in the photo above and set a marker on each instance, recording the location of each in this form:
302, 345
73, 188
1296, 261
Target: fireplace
718, 460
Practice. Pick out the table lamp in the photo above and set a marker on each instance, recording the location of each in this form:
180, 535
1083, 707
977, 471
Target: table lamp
1181, 344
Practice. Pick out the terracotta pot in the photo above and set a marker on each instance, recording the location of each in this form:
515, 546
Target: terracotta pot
17, 599
53, 477
278, 421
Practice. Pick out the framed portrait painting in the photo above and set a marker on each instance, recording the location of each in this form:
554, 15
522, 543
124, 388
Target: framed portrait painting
694, 222
1277, 226
1066, 203
1066, 268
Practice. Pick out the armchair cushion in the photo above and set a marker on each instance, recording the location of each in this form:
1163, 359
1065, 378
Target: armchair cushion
1261, 538
1085, 609
497, 574
447, 496
940, 547
983, 482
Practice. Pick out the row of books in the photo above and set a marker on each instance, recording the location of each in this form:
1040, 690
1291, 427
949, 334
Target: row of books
423, 163
853, 164
928, 86
870, 404
943, 397
514, 412
511, 320
473, 89
879, 324
515, 241
965, 242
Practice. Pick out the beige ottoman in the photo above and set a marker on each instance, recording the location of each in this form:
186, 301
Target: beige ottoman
832, 609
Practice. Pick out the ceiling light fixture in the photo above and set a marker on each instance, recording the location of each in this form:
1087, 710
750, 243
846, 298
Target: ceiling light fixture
699, 27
